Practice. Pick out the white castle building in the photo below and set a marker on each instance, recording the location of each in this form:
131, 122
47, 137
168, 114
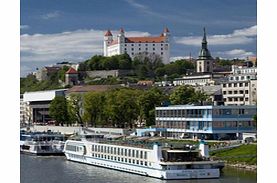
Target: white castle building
134, 46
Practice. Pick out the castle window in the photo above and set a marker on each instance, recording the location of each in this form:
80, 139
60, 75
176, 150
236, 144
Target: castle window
132, 49
146, 44
132, 44
162, 53
162, 44
139, 44
146, 48
153, 48
154, 44
162, 49
139, 48
125, 49
132, 53
125, 44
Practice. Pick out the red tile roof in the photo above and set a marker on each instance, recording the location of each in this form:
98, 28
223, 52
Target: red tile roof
71, 71
108, 33
144, 39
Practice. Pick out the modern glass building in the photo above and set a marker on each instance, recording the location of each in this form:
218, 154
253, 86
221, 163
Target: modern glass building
210, 122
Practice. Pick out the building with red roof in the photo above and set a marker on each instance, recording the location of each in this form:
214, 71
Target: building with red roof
134, 46
71, 77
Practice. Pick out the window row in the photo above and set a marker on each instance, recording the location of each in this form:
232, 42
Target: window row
183, 124
183, 113
229, 124
119, 151
147, 44
140, 49
235, 99
132, 53
225, 85
236, 92
120, 159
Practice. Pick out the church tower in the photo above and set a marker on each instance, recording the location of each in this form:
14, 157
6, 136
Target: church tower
204, 62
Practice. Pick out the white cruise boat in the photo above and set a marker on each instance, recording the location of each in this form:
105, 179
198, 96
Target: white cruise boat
153, 161
42, 144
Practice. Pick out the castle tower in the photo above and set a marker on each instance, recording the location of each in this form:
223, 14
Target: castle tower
108, 38
166, 34
204, 62
120, 41
121, 36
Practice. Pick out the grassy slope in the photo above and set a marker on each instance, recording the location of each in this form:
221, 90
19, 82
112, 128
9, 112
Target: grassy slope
244, 154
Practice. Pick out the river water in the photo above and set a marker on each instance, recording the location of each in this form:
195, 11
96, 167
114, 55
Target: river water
56, 169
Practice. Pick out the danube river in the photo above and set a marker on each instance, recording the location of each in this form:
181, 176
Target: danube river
52, 169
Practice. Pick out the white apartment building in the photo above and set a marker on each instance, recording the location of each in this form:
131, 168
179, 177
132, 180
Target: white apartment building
137, 45
240, 73
240, 92
241, 87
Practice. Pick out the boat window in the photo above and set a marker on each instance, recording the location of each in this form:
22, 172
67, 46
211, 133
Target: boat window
137, 153
133, 153
141, 154
145, 155
145, 163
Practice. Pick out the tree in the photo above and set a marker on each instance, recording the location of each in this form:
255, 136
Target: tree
58, 110
199, 97
182, 95
75, 104
147, 102
93, 106
121, 107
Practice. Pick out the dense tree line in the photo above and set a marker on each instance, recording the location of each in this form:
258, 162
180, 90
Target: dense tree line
123, 107
145, 65
30, 83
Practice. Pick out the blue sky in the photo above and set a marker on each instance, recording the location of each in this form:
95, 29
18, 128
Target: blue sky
72, 30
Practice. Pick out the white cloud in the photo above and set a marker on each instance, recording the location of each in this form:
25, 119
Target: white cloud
24, 26
236, 53
51, 15
74, 46
240, 36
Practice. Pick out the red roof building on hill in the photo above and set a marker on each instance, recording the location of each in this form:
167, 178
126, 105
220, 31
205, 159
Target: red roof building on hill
134, 46
71, 71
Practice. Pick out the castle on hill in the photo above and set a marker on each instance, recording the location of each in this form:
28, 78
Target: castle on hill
135, 46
